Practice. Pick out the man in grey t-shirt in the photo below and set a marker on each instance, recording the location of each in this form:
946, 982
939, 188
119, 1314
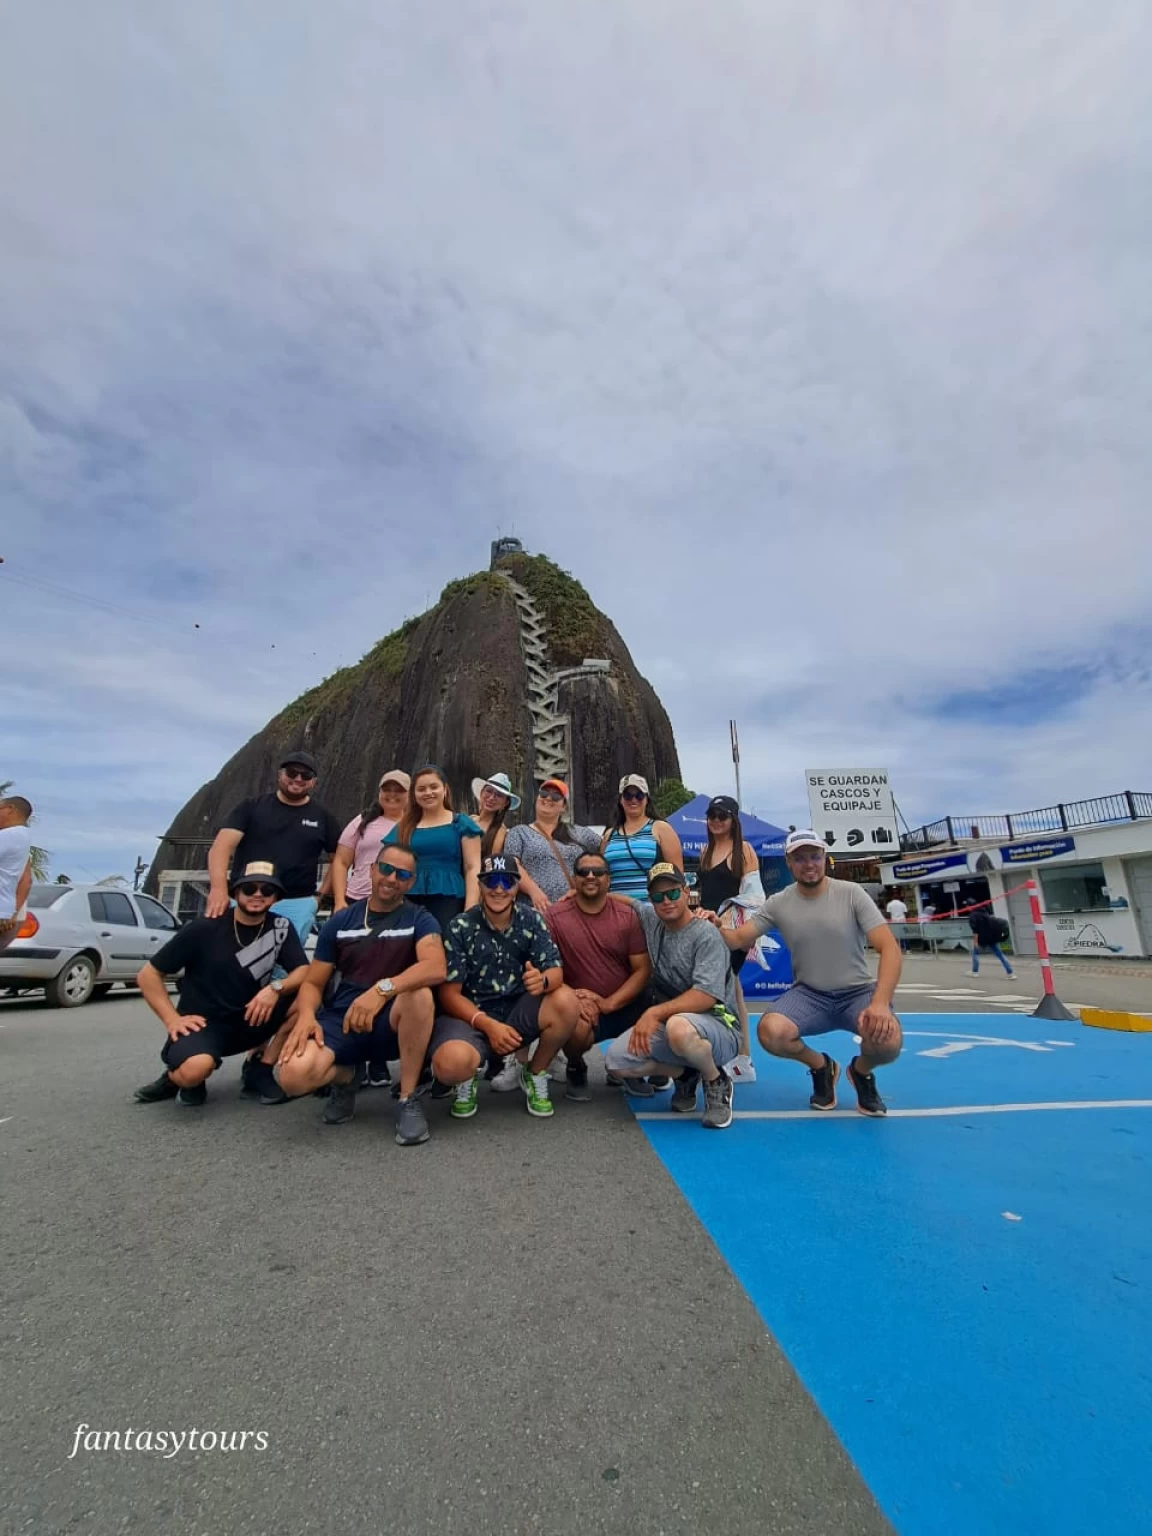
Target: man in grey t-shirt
691, 1032
828, 925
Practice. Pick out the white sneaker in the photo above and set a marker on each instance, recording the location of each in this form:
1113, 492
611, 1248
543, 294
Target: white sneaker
507, 1080
741, 1070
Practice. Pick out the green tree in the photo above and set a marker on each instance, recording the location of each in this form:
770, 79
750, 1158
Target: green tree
37, 857
668, 796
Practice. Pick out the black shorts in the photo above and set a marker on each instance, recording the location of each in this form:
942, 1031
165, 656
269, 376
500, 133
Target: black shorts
351, 1048
610, 1025
220, 1038
523, 1015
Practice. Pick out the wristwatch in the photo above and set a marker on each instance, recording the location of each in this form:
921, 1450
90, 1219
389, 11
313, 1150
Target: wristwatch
277, 986
385, 987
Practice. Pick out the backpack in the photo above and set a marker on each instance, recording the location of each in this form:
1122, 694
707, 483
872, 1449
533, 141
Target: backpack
1000, 930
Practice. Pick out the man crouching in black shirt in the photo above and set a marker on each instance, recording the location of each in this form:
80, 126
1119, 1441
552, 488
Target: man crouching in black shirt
229, 1002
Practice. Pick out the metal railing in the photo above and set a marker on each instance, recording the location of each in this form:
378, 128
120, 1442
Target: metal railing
1102, 811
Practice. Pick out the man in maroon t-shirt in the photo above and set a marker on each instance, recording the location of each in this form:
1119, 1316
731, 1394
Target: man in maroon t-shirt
605, 958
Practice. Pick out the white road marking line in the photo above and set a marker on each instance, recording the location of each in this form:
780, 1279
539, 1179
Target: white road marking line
907, 1114
5, 1120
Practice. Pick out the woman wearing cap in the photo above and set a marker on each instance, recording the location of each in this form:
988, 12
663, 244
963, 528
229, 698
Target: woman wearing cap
729, 869
494, 799
548, 847
359, 845
636, 841
446, 844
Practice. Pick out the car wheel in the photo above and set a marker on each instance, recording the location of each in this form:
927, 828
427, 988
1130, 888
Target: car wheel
102, 989
73, 985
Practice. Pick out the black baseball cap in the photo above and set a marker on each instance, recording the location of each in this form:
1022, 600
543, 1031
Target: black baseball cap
723, 805
500, 864
259, 873
300, 760
668, 872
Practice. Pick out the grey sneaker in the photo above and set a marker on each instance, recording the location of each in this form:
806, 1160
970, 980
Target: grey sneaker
341, 1103
411, 1126
684, 1091
717, 1114
577, 1089
193, 1098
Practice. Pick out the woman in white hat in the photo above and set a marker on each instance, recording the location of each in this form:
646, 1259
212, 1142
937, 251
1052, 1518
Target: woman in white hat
494, 798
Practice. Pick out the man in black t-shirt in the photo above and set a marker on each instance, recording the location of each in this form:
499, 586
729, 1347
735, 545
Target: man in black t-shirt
230, 999
385, 955
287, 828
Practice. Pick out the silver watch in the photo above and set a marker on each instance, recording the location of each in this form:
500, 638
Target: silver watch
385, 987
277, 986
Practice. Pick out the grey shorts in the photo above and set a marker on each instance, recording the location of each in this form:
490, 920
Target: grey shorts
725, 1043
818, 1013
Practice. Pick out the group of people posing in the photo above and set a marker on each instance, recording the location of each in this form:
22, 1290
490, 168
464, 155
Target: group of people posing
466, 949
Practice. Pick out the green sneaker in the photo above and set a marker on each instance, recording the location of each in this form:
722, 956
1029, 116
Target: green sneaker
536, 1091
467, 1099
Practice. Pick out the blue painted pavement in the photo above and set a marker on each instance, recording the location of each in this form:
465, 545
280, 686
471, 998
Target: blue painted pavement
987, 1374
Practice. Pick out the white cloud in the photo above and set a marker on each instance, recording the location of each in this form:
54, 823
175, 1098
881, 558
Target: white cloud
829, 326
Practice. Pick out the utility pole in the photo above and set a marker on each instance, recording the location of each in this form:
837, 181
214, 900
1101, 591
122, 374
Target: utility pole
735, 739
141, 869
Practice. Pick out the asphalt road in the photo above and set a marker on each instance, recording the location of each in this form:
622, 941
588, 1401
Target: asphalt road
519, 1327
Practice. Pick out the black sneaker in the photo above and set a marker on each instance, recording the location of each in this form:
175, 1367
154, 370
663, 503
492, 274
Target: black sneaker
868, 1101
717, 1114
577, 1080
341, 1103
659, 1083
684, 1091
613, 1081
378, 1074
192, 1098
154, 1093
411, 1126
258, 1081
824, 1084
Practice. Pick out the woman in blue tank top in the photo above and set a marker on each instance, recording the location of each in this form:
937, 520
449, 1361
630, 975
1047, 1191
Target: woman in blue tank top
636, 841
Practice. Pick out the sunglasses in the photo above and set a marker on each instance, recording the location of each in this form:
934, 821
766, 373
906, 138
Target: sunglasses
303, 774
551, 794
658, 898
592, 874
633, 794
719, 815
397, 874
258, 890
806, 855
499, 883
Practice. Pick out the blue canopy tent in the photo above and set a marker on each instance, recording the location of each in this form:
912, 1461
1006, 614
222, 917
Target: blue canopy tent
690, 827
768, 969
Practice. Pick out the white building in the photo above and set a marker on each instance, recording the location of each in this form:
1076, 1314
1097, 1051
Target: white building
1094, 875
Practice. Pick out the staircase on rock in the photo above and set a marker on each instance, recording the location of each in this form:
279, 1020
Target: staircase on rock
550, 728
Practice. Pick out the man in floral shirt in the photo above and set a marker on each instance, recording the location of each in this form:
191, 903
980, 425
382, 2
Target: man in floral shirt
505, 990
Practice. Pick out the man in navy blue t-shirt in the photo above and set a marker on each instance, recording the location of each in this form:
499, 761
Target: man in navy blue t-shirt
383, 955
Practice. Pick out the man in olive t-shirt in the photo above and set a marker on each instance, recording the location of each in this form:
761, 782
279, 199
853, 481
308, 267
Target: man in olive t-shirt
829, 926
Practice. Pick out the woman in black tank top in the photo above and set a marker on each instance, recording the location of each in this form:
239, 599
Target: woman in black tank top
725, 862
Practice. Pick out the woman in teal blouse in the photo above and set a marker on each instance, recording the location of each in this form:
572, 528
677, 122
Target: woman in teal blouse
446, 844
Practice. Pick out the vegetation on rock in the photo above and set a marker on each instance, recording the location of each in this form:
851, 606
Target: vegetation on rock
575, 625
668, 796
385, 660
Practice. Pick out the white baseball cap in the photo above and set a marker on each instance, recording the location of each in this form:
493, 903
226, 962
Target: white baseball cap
805, 838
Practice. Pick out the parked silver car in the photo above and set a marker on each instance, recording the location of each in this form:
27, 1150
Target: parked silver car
78, 940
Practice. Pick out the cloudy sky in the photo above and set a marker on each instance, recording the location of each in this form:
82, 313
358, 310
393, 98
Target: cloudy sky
814, 340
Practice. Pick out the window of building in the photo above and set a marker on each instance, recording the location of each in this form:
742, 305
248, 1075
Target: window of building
1074, 888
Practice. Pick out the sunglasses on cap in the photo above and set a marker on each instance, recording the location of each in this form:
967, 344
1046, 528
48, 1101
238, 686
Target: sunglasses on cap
658, 898
633, 794
499, 882
303, 774
252, 888
395, 871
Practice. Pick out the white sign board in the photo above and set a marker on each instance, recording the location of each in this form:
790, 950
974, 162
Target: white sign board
852, 810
